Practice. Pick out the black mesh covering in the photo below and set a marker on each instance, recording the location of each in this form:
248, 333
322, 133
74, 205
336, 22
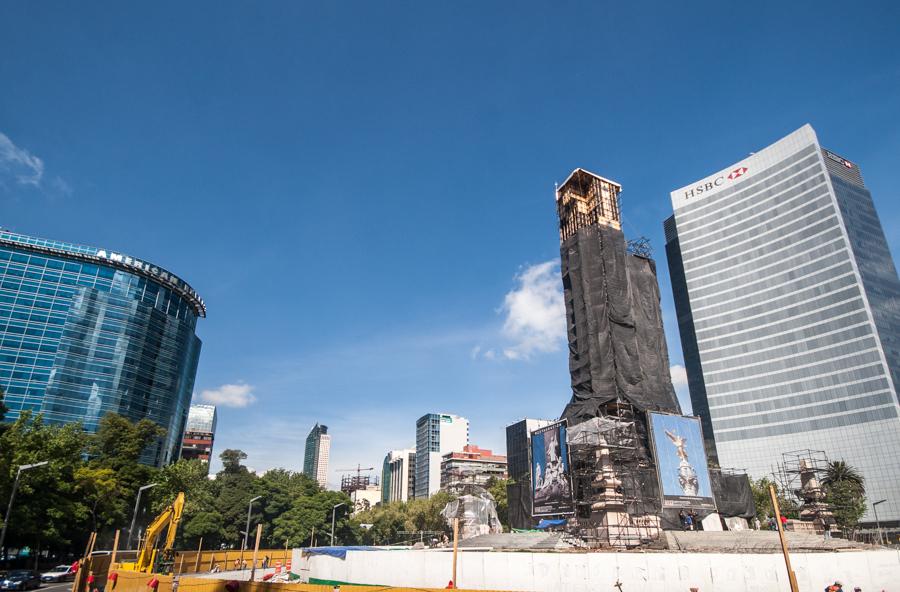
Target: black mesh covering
617, 348
733, 494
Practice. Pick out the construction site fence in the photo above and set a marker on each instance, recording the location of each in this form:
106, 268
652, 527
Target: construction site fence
138, 582
189, 562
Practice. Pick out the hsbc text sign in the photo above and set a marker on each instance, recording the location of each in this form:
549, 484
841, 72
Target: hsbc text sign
708, 186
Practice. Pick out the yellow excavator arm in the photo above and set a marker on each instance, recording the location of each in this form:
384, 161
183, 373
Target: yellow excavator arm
168, 519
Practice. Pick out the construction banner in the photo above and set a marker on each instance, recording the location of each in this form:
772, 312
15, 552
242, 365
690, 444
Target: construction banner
681, 461
551, 480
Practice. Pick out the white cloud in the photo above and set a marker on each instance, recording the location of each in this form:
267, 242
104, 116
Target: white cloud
679, 376
19, 164
535, 312
230, 395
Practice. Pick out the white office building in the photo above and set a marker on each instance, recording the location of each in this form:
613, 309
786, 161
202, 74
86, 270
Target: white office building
788, 305
398, 476
436, 435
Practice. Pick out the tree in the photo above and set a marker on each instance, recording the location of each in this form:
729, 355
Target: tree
201, 517
845, 491
236, 486
97, 489
839, 472
763, 501
497, 489
48, 512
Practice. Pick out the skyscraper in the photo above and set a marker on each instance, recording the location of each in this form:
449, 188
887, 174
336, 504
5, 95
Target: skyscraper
436, 435
199, 433
788, 306
315, 458
87, 331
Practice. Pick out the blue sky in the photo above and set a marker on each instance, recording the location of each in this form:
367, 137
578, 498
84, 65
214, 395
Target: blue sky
363, 191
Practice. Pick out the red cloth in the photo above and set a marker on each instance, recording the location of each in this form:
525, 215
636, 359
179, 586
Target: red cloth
90, 578
450, 585
74, 567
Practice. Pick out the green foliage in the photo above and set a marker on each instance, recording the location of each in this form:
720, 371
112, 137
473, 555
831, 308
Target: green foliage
845, 491
48, 509
840, 473
763, 501
847, 504
415, 515
497, 488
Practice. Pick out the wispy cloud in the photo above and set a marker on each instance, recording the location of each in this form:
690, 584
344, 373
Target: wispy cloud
535, 313
18, 165
679, 376
230, 395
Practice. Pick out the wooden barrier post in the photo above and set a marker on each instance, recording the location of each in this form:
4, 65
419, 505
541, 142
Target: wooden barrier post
197, 562
255, 551
456, 548
180, 563
115, 549
792, 579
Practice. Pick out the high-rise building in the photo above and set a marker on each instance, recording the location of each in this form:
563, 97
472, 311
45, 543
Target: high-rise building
518, 492
436, 435
398, 476
199, 433
471, 466
315, 458
788, 305
87, 331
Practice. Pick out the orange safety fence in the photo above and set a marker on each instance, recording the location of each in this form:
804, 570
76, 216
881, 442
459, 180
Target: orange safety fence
189, 562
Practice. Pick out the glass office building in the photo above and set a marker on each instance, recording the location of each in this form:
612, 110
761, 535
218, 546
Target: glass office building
86, 331
788, 306
436, 435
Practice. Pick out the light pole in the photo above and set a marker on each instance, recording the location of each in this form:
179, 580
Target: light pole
333, 510
877, 523
249, 509
137, 503
12, 497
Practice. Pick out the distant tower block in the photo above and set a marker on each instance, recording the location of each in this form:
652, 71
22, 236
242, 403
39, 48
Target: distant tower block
584, 199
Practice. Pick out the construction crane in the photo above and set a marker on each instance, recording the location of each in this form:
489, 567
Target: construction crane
157, 560
349, 484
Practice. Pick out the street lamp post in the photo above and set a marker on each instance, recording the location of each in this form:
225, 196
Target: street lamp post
137, 503
12, 497
877, 523
249, 509
333, 510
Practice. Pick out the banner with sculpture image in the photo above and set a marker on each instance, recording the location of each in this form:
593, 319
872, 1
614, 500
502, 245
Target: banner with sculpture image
681, 461
550, 478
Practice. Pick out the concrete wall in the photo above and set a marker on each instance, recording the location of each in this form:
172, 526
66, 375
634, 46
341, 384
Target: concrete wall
592, 572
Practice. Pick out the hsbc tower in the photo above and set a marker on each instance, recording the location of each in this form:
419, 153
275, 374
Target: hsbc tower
788, 307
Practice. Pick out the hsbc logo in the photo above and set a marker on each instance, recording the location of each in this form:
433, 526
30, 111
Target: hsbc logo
717, 182
737, 173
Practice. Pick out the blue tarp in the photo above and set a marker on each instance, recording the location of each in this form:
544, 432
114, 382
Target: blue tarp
544, 523
339, 552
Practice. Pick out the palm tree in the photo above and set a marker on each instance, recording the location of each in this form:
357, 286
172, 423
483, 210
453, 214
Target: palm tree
839, 472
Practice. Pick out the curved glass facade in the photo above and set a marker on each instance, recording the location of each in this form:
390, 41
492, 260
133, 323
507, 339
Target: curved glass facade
85, 332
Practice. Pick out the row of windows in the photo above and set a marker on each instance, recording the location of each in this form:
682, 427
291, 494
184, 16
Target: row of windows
789, 351
769, 364
763, 195
813, 251
863, 402
853, 357
822, 423
754, 264
843, 391
836, 378
790, 288
817, 323
698, 209
791, 198
758, 245
789, 314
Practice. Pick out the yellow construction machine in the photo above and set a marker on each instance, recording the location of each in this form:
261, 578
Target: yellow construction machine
159, 560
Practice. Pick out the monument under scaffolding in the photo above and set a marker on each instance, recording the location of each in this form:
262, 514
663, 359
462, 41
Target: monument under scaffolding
801, 474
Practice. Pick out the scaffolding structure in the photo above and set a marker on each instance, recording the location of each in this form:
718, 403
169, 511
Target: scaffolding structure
614, 481
801, 473
351, 483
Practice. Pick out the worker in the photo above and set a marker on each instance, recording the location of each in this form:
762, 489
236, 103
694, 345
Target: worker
836, 587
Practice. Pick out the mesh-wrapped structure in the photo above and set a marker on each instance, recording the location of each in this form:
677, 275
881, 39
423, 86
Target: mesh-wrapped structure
477, 513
